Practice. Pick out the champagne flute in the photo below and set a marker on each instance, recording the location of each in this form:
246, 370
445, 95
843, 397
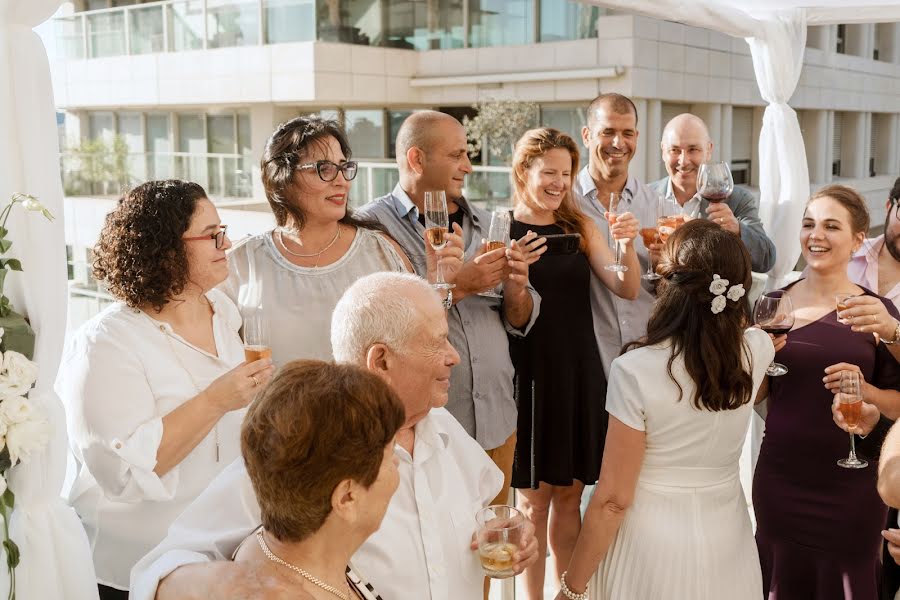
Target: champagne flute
498, 533
774, 314
616, 208
650, 235
714, 181
498, 237
256, 336
851, 409
437, 221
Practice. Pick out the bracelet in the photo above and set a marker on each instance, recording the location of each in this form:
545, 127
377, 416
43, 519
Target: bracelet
448, 301
569, 593
896, 337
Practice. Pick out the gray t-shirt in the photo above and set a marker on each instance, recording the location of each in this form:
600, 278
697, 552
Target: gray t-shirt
297, 302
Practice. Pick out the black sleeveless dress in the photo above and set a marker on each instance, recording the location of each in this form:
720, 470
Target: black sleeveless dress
560, 386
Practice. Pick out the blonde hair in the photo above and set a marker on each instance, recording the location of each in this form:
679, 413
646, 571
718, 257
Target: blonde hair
532, 145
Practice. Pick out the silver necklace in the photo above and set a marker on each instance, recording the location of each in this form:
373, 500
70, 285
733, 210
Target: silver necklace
318, 254
302, 572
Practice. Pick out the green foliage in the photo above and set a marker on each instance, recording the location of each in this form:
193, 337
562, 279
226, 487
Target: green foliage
31, 204
96, 166
500, 123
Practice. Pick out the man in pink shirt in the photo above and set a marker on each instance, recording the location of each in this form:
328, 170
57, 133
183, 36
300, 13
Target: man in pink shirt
876, 265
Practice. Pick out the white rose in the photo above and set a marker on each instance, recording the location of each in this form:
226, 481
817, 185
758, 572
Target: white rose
736, 292
27, 437
718, 285
2, 331
15, 410
718, 305
18, 374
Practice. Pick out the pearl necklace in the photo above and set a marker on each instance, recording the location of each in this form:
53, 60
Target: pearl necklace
318, 254
303, 573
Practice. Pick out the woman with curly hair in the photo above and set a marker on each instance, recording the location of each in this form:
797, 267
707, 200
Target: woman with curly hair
668, 518
155, 387
294, 274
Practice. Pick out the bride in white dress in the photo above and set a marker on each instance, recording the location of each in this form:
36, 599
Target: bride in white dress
668, 519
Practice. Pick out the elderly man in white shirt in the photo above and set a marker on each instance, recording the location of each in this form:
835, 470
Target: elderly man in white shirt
394, 325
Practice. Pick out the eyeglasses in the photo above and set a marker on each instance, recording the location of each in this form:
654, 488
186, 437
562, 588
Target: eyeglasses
328, 170
219, 236
894, 209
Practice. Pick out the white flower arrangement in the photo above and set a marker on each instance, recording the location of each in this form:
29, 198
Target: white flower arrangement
718, 288
24, 431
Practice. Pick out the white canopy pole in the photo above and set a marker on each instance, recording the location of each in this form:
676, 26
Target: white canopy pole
55, 556
783, 174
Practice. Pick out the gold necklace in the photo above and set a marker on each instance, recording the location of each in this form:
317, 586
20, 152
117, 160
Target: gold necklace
318, 254
303, 573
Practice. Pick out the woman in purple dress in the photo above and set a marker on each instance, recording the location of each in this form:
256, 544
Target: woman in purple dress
818, 525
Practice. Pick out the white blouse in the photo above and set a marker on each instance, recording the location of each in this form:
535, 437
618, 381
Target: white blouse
121, 372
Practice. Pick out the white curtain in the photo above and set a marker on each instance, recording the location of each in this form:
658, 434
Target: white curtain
56, 558
777, 52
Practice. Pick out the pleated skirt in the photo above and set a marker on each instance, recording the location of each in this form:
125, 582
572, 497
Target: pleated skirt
682, 543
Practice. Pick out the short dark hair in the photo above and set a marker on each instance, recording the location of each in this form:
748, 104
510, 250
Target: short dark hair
712, 344
619, 104
140, 255
895, 191
313, 426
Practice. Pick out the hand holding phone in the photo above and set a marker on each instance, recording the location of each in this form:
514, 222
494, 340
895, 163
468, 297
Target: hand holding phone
562, 243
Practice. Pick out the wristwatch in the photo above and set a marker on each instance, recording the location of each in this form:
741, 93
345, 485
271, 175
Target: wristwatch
896, 336
448, 301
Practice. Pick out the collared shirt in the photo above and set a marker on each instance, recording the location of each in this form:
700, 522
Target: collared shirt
420, 552
481, 385
120, 374
618, 321
863, 268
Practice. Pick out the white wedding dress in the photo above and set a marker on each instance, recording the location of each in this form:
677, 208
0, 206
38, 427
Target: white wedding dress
687, 534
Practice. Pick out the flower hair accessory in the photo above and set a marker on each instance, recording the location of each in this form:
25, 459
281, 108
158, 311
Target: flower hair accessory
720, 290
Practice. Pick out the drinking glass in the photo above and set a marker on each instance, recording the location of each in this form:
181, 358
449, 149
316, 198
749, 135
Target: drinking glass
774, 314
851, 409
714, 181
436, 228
650, 235
256, 336
498, 532
498, 237
616, 208
840, 302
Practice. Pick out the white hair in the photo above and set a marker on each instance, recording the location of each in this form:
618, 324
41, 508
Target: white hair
377, 308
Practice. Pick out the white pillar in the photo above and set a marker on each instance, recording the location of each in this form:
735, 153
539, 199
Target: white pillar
814, 124
639, 160
859, 40
819, 37
853, 145
829, 149
867, 133
262, 122
651, 134
887, 142
725, 145
712, 116
757, 128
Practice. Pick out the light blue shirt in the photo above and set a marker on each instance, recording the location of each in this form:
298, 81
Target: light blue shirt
618, 321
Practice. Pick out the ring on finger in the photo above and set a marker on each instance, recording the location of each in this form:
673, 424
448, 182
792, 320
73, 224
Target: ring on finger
255, 380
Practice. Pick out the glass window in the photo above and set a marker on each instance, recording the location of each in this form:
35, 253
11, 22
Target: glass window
567, 120
146, 29
395, 120
290, 21
106, 34
244, 142
185, 25
70, 38
220, 133
159, 147
365, 130
131, 132
350, 21
232, 23
424, 24
191, 137
501, 22
568, 20
100, 126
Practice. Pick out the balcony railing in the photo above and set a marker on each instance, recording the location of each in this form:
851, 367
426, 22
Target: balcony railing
224, 176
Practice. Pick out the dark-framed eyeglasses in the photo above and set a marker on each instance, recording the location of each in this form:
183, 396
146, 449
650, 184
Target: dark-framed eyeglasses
894, 209
219, 236
328, 171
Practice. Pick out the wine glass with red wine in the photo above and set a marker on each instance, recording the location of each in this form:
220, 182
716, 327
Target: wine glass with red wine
774, 314
714, 181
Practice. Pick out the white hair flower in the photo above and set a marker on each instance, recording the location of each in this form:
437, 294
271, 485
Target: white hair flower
718, 285
736, 292
718, 304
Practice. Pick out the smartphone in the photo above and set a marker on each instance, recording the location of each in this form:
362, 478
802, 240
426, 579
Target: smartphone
562, 243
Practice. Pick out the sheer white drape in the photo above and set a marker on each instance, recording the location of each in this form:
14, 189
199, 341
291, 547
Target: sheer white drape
56, 559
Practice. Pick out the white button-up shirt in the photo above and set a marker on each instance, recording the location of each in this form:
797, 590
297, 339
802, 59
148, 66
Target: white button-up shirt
863, 268
120, 374
420, 552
